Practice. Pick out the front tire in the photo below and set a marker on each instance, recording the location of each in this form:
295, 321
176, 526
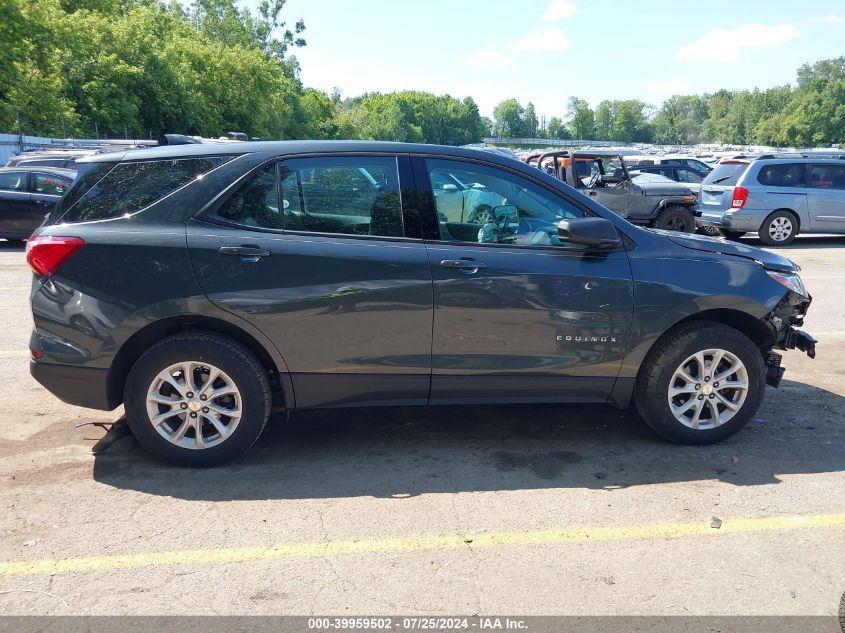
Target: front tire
675, 218
700, 384
779, 229
197, 399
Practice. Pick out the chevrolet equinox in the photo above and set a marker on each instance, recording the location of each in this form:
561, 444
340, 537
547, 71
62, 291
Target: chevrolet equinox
202, 286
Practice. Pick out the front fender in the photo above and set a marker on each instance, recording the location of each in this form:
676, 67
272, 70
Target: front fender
668, 290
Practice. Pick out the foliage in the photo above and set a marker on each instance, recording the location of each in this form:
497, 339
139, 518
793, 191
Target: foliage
148, 67
582, 120
812, 113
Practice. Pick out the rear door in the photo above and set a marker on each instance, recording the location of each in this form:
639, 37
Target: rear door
324, 255
46, 189
520, 315
15, 205
826, 197
716, 193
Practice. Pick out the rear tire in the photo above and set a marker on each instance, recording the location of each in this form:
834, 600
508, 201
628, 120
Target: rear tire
691, 402
183, 421
675, 218
779, 229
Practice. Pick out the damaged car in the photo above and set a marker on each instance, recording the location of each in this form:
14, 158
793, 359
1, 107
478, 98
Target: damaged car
220, 282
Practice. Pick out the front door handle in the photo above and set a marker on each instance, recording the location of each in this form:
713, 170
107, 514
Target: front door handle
246, 253
592, 193
465, 265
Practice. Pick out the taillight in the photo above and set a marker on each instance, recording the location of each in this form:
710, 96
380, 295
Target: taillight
740, 197
45, 254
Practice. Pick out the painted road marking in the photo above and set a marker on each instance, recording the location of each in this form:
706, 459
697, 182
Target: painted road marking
399, 545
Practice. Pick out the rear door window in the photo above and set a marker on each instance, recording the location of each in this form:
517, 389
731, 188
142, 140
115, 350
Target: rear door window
782, 175
355, 195
726, 174
13, 181
688, 175
827, 177
133, 186
50, 184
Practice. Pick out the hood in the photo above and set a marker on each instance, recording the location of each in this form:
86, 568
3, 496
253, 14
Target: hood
665, 189
724, 247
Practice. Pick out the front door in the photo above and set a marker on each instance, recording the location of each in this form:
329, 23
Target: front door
518, 313
826, 197
613, 195
317, 253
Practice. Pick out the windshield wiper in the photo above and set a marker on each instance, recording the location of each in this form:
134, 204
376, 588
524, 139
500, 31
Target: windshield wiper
718, 180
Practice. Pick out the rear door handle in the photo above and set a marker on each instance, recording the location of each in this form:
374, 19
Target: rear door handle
246, 253
465, 265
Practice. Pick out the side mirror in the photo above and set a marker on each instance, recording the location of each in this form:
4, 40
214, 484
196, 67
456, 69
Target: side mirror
611, 179
595, 233
450, 188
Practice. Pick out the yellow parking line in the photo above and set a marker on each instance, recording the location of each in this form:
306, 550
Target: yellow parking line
14, 352
401, 545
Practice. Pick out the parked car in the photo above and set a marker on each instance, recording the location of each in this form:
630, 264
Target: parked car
774, 196
226, 280
679, 161
674, 173
26, 195
661, 205
689, 177
50, 158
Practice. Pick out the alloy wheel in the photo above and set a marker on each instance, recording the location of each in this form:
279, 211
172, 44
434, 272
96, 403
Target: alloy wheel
194, 405
708, 389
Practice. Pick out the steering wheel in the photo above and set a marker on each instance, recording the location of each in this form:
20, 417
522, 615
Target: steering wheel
482, 214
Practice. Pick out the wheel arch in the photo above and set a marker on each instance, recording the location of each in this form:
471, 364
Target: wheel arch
132, 349
665, 203
749, 325
792, 212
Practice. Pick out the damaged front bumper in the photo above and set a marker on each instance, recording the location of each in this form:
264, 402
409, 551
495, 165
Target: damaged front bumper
797, 339
785, 320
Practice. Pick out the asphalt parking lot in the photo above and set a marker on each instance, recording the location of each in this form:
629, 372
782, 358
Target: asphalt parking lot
518, 509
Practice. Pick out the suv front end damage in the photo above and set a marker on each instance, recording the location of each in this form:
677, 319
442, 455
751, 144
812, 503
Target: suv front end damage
785, 321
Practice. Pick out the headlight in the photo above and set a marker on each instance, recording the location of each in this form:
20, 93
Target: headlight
790, 280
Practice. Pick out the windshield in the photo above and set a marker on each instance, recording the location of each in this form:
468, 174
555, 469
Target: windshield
727, 174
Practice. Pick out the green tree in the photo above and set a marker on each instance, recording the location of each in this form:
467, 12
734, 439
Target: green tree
531, 124
509, 120
605, 114
556, 129
582, 121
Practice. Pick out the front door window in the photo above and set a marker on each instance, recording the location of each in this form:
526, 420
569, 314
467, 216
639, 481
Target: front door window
494, 206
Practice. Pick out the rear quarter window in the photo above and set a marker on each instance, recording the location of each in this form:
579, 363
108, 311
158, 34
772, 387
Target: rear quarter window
130, 187
727, 174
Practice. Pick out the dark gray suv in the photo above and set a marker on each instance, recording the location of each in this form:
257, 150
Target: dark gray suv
203, 285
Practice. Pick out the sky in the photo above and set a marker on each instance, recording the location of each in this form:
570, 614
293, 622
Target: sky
546, 51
